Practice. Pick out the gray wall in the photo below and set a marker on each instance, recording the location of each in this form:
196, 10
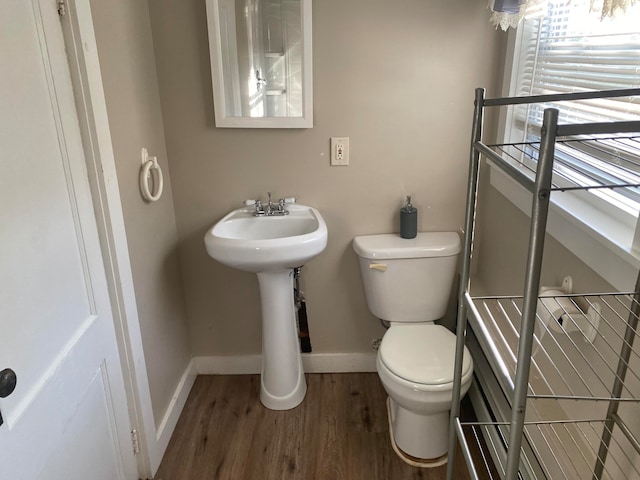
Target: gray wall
398, 78
127, 61
503, 247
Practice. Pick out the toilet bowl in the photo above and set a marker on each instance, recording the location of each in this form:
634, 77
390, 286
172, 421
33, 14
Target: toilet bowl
408, 283
415, 366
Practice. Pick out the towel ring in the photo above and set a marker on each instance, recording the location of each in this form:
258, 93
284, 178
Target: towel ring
145, 176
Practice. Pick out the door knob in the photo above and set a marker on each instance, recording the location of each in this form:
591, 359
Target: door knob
7, 385
7, 382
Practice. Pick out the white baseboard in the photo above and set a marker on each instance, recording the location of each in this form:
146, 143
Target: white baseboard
170, 418
228, 364
312, 362
339, 362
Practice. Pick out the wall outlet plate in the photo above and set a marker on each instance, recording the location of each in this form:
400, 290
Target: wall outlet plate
340, 151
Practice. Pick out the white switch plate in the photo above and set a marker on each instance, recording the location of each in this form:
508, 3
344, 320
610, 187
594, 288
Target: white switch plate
339, 150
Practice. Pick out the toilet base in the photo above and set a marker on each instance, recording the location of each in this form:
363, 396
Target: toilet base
410, 459
412, 436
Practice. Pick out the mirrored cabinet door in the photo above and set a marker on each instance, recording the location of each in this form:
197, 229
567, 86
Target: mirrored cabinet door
261, 63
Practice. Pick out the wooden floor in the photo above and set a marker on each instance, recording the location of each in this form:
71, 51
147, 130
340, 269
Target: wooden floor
340, 431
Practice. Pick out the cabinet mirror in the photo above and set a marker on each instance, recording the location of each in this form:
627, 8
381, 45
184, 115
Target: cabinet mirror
261, 63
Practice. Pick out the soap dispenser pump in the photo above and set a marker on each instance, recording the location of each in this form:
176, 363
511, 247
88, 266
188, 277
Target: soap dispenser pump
408, 220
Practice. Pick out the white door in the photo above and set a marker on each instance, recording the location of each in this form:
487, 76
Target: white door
67, 418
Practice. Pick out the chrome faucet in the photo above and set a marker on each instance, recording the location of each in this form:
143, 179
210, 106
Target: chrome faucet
269, 204
270, 209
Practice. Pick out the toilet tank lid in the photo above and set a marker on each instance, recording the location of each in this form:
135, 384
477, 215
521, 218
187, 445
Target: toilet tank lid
392, 245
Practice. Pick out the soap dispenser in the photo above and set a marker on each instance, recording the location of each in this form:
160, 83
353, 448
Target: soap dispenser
408, 220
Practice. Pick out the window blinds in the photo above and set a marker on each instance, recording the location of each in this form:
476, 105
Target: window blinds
570, 49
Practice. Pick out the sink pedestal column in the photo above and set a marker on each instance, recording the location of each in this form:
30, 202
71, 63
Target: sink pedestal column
283, 385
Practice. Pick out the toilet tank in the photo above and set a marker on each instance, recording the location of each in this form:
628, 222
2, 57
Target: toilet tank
408, 280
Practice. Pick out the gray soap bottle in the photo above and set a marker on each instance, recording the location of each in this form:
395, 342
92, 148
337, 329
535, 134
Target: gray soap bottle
408, 220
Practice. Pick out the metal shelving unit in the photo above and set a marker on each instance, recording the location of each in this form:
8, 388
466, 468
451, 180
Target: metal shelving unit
572, 404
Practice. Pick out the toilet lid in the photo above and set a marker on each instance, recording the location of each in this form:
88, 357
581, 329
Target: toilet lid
421, 353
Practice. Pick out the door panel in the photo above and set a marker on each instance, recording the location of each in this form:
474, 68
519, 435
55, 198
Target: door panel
92, 421
41, 251
67, 418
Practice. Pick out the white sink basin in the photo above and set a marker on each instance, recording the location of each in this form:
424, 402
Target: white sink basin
258, 244
272, 246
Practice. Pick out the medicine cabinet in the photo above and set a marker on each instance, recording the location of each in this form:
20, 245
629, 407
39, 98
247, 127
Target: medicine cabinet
261, 63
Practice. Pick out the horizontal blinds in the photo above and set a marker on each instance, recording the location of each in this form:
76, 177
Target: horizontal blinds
570, 49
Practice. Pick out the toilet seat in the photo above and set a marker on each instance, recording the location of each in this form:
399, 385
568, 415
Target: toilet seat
422, 354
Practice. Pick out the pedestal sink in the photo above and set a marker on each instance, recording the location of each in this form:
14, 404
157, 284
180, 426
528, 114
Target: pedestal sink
271, 247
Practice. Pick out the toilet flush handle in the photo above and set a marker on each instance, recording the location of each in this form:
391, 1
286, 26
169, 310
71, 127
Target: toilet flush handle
378, 266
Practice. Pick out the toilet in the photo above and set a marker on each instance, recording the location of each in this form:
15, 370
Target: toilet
407, 283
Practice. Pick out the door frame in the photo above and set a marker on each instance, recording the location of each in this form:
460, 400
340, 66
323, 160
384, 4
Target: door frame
82, 52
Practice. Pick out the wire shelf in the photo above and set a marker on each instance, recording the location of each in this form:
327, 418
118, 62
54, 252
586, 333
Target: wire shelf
605, 162
565, 449
565, 364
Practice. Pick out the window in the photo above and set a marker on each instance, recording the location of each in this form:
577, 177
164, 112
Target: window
570, 49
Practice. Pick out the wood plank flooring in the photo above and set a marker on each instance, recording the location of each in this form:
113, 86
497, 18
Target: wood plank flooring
340, 431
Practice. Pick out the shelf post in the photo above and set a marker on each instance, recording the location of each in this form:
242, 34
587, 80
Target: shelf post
461, 323
618, 385
539, 213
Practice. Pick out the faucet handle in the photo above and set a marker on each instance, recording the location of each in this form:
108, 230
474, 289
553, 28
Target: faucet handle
282, 210
269, 195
